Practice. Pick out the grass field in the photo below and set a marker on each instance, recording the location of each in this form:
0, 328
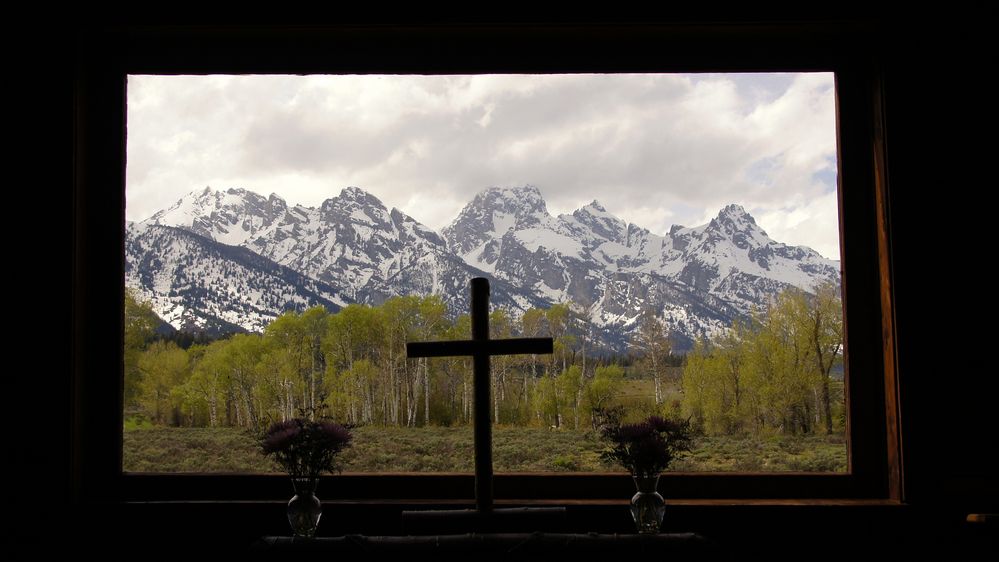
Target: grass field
449, 449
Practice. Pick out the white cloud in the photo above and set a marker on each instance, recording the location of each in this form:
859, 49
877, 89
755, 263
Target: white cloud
813, 223
654, 149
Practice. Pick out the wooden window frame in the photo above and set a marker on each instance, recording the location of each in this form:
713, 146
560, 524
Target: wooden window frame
107, 55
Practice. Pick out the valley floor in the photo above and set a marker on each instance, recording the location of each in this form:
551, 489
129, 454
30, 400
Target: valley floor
450, 449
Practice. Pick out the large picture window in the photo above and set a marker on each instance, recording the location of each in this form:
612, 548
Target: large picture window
860, 418
694, 292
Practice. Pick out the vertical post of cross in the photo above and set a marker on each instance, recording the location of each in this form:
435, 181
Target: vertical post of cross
481, 382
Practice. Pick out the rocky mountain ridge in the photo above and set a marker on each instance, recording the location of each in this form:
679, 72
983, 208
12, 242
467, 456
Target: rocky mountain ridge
354, 249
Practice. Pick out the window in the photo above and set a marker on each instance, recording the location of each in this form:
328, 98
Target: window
618, 158
100, 100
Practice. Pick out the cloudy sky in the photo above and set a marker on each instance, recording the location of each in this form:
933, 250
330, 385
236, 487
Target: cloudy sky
655, 150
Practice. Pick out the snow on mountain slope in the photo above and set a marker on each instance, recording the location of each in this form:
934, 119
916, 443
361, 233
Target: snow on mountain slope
197, 284
354, 249
351, 242
588, 256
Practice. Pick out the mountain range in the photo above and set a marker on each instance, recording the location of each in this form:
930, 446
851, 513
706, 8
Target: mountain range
225, 260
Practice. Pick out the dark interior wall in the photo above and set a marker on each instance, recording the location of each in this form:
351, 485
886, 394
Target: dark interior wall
940, 120
940, 128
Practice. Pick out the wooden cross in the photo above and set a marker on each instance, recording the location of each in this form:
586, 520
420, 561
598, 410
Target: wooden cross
480, 347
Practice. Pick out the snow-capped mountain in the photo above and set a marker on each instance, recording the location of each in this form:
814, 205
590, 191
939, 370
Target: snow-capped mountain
733, 258
229, 217
197, 284
351, 240
697, 280
352, 245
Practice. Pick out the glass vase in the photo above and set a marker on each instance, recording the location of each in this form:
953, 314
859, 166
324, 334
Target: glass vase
647, 506
304, 509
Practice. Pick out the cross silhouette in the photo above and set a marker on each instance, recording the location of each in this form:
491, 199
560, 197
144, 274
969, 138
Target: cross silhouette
481, 348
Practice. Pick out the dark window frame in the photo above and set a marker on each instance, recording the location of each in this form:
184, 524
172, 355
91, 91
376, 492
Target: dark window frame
108, 55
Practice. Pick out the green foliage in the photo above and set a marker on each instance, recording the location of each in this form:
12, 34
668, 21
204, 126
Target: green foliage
565, 463
140, 325
164, 368
164, 449
203, 394
761, 379
569, 386
602, 390
140, 321
652, 341
773, 375
353, 364
137, 422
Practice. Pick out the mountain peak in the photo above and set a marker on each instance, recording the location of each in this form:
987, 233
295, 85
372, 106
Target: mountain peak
735, 224
527, 194
493, 212
736, 217
352, 196
596, 205
595, 211
353, 192
734, 210
521, 189
520, 202
354, 205
594, 219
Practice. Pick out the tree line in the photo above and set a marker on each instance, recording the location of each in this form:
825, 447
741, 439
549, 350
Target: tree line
776, 372
352, 366
772, 373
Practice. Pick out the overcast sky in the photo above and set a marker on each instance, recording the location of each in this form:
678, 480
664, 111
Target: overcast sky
655, 150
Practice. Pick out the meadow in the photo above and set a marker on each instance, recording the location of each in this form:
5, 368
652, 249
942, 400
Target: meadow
450, 449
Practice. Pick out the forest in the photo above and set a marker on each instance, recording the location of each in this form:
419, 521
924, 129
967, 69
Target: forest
778, 373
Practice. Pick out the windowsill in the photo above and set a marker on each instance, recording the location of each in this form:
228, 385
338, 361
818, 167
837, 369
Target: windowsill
748, 527
726, 519
521, 489
802, 502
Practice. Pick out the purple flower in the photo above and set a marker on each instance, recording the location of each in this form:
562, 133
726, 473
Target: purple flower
647, 448
634, 431
334, 435
281, 436
280, 440
305, 448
